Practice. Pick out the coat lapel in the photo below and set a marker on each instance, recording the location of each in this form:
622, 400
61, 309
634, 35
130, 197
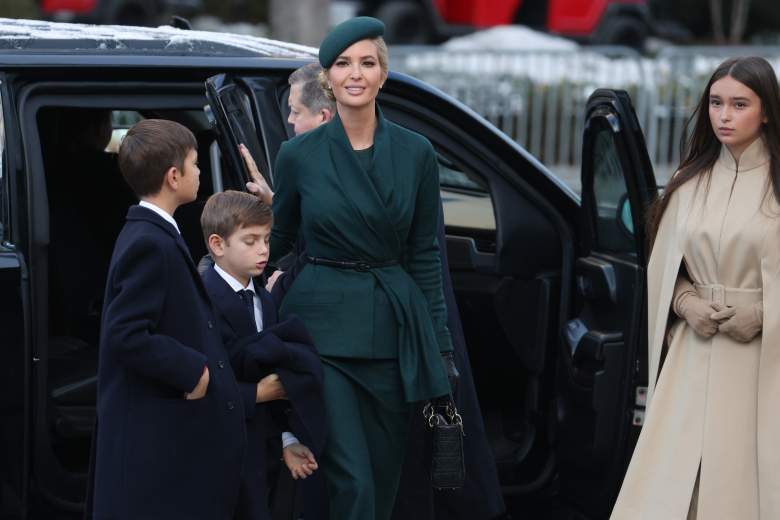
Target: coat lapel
364, 197
382, 171
229, 303
141, 213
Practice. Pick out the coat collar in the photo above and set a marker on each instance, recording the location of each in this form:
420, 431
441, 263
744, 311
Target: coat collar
371, 191
228, 303
233, 308
754, 156
380, 171
142, 214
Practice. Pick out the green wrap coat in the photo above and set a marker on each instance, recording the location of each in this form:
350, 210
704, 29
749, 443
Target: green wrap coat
388, 213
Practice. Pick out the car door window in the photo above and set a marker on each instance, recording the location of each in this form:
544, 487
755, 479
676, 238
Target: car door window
3, 179
465, 197
613, 226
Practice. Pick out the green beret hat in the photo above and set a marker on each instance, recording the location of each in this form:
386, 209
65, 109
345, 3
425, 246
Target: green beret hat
347, 33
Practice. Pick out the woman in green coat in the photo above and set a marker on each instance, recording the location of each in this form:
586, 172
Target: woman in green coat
363, 193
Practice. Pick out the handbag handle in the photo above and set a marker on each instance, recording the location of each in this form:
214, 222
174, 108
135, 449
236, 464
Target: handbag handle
450, 412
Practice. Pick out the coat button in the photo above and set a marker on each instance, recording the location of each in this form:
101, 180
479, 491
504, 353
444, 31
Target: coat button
230, 405
211, 325
221, 364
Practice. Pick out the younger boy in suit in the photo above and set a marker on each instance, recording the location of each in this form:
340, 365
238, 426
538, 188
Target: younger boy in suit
171, 438
237, 227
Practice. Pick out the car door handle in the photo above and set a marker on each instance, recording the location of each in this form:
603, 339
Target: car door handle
588, 357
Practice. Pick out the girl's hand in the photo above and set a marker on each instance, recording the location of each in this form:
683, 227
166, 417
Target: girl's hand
742, 324
698, 313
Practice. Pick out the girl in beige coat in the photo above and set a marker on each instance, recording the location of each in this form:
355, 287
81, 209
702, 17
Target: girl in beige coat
710, 446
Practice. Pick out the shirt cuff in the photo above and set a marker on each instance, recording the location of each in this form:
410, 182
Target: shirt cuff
289, 439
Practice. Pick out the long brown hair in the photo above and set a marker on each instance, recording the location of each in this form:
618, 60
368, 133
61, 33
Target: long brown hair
702, 148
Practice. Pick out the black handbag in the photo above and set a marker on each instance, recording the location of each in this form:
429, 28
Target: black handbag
445, 427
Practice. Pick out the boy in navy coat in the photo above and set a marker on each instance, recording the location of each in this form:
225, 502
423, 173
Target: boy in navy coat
171, 437
278, 356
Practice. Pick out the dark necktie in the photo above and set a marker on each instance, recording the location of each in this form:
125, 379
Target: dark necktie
249, 300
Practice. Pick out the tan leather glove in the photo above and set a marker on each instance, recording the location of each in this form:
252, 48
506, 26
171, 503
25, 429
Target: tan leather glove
696, 311
682, 289
742, 323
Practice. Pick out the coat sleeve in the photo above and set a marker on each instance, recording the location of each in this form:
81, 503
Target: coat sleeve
139, 286
424, 260
286, 206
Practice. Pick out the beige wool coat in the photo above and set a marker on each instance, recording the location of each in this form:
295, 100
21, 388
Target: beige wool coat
716, 405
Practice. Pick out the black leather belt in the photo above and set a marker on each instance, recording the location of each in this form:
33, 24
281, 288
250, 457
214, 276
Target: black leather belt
359, 265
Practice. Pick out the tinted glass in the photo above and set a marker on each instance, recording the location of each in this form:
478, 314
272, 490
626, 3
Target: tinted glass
614, 222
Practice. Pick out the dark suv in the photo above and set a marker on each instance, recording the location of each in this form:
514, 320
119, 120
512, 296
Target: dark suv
551, 288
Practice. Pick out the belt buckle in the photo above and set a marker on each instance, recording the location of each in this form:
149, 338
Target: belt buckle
719, 294
362, 267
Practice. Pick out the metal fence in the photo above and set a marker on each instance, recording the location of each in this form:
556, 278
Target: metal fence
538, 97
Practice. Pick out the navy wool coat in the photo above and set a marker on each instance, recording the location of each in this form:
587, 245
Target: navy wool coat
234, 323
159, 456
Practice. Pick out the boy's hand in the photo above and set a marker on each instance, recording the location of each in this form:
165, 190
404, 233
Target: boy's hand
272, 280
200, 389
270, 389
299, 460
257, 186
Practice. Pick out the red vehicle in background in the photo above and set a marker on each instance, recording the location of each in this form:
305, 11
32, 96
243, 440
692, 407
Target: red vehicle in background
606, 22
118, 12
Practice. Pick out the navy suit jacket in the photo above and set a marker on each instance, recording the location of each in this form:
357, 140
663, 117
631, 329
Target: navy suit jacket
234, 324
159, 456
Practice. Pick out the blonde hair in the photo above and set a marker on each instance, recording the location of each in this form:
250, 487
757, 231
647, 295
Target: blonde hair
382, 55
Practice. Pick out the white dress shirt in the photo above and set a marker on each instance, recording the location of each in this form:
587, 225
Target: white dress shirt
287, 437
164, 214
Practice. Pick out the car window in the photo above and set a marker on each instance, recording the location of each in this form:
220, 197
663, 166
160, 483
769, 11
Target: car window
451, 176
3, 180
121, 121
465, 197
614, 222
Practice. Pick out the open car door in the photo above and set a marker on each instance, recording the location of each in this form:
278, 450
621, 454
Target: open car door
234, 111
602, 365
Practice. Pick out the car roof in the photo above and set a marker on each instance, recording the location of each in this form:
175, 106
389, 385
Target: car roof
30, 38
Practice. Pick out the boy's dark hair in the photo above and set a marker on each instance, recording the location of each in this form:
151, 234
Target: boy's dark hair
149, 149
230, 210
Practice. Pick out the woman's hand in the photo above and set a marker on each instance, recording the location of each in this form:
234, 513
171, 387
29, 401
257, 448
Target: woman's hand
299, 460
270, 389
698, 313
742, 323
257, 185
